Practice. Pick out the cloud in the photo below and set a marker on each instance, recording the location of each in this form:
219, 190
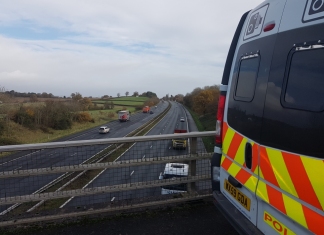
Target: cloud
105, 47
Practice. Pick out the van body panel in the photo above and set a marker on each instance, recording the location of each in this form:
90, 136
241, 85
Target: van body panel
270, 12
272, 133
303, 14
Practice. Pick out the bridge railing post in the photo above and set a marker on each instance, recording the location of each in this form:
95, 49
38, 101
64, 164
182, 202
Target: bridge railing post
192, 164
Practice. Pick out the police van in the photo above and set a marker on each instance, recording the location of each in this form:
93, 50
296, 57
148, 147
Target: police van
268, 162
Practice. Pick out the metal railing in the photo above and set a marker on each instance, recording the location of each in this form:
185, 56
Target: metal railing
62, 179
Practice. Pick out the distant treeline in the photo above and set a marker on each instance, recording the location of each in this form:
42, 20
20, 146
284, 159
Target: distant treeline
13, 93
201, 100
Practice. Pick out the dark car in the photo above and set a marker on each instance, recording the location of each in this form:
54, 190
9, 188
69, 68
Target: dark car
151, 112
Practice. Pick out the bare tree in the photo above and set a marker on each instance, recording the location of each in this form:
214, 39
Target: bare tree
118, 94
77, 96
126, 93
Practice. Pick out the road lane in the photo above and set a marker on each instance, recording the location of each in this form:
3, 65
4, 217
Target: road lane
145, 173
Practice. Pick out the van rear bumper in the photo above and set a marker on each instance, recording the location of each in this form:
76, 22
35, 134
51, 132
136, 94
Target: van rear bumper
236, 218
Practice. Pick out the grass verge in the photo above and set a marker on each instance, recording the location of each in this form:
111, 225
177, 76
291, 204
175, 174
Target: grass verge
205, 123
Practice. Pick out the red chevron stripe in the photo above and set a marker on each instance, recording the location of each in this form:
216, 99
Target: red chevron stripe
275, 199
314, 221
243, 176
235, 143
226, 163
300, 179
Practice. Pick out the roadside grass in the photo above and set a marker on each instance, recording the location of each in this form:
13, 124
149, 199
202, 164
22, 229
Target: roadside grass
205, 123
22, 135
18, 134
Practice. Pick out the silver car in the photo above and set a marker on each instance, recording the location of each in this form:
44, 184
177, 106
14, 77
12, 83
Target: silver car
104, 129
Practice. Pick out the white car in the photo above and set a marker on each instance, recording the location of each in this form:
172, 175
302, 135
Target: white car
182, 119
104, 129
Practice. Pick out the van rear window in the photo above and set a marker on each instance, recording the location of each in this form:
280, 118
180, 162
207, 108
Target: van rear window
245, 86
304, 82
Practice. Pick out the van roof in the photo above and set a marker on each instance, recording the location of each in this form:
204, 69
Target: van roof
176, 169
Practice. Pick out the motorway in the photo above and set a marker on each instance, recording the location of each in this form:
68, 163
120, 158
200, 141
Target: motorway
77, 155
144, 173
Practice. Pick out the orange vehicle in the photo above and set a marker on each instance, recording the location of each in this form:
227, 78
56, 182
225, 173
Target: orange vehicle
146, 109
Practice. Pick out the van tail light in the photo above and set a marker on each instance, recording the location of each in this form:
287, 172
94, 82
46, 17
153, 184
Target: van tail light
220, 117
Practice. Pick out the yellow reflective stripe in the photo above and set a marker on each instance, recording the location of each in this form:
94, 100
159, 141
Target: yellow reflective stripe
240, 154
234, 169
262, 191
260, 172
314, 169
251, 183
280, 170
294, 210
223, 158
228, 139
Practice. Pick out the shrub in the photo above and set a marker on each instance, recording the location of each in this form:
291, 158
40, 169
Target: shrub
62, 123
82, 117
8, 141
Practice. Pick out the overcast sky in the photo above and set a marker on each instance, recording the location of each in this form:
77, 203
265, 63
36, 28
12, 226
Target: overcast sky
105, 47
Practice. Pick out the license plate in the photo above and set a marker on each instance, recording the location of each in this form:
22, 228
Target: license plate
237, 195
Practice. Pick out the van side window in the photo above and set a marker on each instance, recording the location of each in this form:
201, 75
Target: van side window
304, 81
246, 79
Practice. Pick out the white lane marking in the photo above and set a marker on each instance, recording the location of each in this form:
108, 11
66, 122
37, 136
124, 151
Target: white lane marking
170, 147
19, 158
151, 146
112, 199
73, 154
131, 173
143, 157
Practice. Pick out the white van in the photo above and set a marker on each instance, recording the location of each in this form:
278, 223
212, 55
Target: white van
268, 167
174, 171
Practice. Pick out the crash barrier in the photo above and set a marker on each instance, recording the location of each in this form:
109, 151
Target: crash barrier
49, 181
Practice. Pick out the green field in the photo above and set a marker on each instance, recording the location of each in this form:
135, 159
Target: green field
130, 98
124, 101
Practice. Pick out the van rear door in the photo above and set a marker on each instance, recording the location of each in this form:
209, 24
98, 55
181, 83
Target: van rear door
290, 188
245, 102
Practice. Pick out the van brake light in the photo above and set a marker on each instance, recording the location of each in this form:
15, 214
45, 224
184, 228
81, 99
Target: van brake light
220, 117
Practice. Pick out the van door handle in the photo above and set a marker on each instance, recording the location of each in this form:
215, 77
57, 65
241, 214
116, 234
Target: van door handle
248, 155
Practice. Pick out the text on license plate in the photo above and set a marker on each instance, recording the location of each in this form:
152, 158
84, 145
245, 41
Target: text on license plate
238, 195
